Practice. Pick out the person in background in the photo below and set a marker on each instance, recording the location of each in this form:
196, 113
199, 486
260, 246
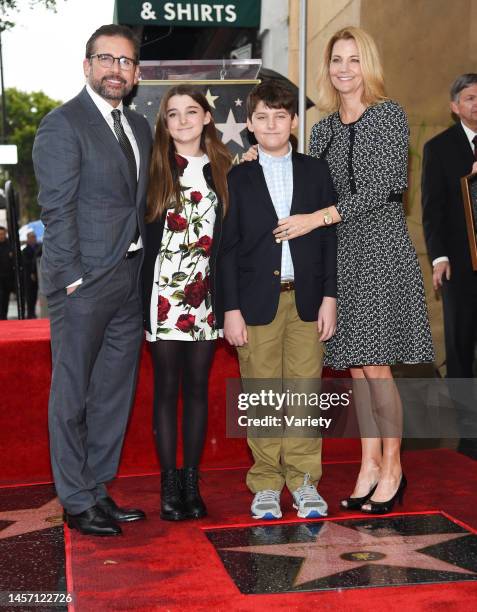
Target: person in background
448, 157
187, 200
6, 273
30, 254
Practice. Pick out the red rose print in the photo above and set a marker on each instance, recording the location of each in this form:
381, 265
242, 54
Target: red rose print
163, 308
211, 319
207, 283
185, 322
182, 163
195, 292
175, 222
195, 196
205, 244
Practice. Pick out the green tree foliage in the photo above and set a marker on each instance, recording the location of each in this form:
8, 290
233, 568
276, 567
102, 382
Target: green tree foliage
9, 7
24, 113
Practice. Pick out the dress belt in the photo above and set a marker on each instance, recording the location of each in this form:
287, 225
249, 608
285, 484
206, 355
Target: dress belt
395, 197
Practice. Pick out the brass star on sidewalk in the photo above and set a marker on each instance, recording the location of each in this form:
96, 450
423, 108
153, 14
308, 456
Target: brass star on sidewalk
31, 519
338, 549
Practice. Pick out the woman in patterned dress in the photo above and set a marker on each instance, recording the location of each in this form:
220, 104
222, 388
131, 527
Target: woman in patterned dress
186, 202
382, 314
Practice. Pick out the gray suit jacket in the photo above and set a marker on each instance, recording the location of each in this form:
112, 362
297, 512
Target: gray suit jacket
90, 206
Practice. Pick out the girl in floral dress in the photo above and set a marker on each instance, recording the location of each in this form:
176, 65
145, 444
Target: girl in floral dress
186, 202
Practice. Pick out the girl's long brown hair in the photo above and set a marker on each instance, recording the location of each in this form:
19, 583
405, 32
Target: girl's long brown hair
164, 176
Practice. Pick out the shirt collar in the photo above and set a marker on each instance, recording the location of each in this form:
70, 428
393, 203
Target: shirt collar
104, 107
468, 132
270, 159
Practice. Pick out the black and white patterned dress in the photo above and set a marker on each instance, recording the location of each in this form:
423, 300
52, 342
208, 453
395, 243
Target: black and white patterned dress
382, 312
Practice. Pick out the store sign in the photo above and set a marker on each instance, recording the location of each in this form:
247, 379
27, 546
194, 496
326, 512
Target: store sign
238, 14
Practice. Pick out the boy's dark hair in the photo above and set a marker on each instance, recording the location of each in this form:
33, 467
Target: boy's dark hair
112, 29
274, 95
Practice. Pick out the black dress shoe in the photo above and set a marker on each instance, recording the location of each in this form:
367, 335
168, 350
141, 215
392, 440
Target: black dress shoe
193, 503
121, 515
172, 506
92, 521
387, 506
355, 503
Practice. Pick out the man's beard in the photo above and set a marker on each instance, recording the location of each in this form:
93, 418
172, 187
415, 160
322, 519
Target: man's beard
111, 93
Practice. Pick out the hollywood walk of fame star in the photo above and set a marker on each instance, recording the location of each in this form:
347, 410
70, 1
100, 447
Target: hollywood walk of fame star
31, 519
238, 102
211, 99
231, 129
338, 549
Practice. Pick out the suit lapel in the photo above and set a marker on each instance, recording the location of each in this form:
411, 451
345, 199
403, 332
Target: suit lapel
103, 133
143, 155
260, 188
465, 154
298, 182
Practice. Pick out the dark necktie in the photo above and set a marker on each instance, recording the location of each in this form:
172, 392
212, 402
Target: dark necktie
124, 143
127, 149
474, 140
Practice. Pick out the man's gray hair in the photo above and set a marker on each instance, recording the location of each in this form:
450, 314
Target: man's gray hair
461, 82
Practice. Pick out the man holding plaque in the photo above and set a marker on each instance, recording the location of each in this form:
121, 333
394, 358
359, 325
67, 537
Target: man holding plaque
448, 157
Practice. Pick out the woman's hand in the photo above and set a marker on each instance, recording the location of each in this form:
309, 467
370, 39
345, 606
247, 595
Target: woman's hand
296, 225
299, 225
251, 154
326, 322
235, 328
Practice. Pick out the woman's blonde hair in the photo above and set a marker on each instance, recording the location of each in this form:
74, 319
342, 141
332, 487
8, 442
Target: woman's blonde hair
373, 80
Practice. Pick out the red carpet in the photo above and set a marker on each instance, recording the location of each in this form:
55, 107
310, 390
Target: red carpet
25, 380
158, 565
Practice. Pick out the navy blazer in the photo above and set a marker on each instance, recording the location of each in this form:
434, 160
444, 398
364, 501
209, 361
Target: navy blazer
153, 241
250, 257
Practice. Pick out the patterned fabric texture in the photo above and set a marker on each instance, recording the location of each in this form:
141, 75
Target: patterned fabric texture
382, 313
181, 306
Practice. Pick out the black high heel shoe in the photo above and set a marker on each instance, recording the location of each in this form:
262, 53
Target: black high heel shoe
355, 503
386, 506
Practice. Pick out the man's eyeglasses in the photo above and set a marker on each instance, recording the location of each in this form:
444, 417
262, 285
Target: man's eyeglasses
106, 60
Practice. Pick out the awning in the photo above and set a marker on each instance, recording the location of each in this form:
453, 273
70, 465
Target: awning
201, 13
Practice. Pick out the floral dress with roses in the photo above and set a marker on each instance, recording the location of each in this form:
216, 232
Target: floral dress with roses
181, 306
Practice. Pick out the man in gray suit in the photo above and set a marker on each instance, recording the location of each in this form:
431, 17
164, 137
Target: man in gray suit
91, 158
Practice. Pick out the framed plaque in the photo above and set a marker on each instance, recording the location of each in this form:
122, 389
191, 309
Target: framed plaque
469, 192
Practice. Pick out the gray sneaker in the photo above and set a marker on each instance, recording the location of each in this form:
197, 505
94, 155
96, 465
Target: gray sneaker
308, 501
266, 505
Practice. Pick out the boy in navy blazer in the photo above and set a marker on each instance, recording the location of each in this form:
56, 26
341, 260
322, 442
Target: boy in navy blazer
279, 296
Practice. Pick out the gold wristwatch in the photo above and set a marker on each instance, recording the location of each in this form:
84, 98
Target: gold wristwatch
327, 218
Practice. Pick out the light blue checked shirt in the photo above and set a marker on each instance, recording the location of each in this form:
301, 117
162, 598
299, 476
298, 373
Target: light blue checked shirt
278, 173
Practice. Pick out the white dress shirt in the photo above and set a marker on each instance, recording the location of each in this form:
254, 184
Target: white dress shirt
105, 109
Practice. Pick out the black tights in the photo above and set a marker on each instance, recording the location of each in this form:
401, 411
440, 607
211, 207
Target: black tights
191, 361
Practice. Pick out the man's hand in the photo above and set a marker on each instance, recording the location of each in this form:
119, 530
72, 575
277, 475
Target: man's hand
235, 328
440, 269
326, 322
474, 168
251, 154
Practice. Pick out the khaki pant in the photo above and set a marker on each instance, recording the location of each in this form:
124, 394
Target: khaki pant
285, 348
